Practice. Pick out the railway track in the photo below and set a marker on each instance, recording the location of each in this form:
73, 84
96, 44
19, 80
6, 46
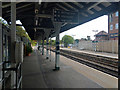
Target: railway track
104, 64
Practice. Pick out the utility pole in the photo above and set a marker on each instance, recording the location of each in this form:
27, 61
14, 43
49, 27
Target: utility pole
73, 39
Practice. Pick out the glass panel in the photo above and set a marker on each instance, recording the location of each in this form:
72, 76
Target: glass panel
111, 27
111, 17
116, 26
116, 14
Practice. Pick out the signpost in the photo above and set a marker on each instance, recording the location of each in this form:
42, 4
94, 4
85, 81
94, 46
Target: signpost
60, 17
66, 16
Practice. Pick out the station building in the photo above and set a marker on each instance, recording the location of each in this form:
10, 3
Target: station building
102, 35
113, 26
43, 21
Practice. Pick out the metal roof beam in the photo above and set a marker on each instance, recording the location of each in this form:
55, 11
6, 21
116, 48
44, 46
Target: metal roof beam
86, 10
62, 7
78, 4
65, 6
68, 5
95, 4
20, 6
8, 5
44, 16
38, 28
18, 12
24, 10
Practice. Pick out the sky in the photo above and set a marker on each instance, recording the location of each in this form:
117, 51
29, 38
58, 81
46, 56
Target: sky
86, 29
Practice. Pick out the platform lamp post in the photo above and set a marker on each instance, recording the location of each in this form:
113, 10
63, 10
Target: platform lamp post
95, 38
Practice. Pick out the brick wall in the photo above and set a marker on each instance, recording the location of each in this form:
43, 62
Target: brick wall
113, 34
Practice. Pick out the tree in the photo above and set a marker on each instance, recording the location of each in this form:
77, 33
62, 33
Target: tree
53, 42
33, 42
67, 40
21, 32
3, 22
60, 41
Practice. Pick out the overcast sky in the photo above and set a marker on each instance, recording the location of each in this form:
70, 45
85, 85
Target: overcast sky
84, 30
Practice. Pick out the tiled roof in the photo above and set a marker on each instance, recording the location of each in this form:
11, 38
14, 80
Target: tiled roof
101, 33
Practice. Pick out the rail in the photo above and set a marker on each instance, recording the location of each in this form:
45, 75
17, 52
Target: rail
104, 64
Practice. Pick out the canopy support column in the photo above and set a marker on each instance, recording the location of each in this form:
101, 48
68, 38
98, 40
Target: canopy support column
40, 46
43, 47
13, 30
1, 54
50, 48
13, 39
57, 57
47, 54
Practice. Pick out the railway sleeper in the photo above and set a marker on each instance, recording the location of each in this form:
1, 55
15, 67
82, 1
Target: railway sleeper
110, 71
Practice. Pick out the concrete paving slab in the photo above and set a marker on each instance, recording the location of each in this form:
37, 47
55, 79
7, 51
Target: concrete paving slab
32, 75
38, 73
66, 77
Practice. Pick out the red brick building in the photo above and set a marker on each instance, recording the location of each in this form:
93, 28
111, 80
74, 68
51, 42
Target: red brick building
102, 35
113, 26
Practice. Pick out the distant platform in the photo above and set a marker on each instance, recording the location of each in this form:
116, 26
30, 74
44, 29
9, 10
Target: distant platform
104, 54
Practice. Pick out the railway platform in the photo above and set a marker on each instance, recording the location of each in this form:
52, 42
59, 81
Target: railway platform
104, 54
38, 73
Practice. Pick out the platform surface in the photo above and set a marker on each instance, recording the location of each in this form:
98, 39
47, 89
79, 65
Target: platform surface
38, 73
104, 54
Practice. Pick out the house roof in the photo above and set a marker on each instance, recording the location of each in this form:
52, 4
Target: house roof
102, 33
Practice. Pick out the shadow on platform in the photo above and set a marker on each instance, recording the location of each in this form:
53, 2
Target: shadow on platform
38, 73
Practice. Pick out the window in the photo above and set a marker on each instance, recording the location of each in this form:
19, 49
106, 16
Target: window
111, 27
116, 26
116, 14
111, 17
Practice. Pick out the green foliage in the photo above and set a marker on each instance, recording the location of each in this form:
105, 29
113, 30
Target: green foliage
45, 42
21, 32
33, 42
3, 22
60, 41
28, 49
53, 42
67, 40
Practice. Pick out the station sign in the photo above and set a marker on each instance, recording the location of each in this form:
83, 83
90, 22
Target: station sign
66, 16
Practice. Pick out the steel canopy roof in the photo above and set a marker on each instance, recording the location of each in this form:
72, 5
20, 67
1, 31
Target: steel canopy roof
34, 25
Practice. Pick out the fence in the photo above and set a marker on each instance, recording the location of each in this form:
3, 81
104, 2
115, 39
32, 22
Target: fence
87, 45
110, 46
107, 46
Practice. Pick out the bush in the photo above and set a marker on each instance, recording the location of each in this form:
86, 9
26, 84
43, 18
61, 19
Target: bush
28, 49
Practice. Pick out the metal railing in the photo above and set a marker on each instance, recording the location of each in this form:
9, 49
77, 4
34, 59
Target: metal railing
17, 69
